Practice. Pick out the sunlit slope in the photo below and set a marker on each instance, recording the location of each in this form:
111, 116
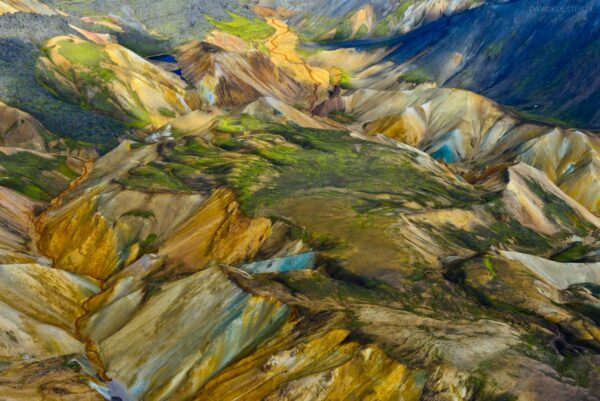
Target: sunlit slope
113, 80
457, 126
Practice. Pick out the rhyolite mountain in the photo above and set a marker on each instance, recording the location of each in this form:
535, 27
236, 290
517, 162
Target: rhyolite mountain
217, 201
535, 56
342, 20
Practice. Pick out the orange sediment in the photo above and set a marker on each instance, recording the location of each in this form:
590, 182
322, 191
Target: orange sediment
56, 202
282, 46
91, 349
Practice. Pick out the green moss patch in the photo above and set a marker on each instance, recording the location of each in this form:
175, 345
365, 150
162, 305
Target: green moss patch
84, 53
344, 30
489, 266
318, 284
383, 27
37, 177
93, 75
167, 112
494, 49
417, 76
252, 30
342, 117
152, 177
559, 211
345, 80
142, 213
573, 253
266, 163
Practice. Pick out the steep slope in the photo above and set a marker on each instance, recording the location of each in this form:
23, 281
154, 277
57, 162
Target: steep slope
36, 166
525, 54
17, 221
185, 355
325, 365
552, 288
21, 36
228, 71
48, 379
20, 130
124, 211
228, 79
282, 46
41, 350
355, 19
113, 80
457, 126
37, 175
33, 161
41, 306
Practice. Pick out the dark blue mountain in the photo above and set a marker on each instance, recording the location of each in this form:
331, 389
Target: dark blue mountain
538, 56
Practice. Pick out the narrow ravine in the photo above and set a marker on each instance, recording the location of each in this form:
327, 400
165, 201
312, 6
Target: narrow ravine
91, 350
283, 44
56, 202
